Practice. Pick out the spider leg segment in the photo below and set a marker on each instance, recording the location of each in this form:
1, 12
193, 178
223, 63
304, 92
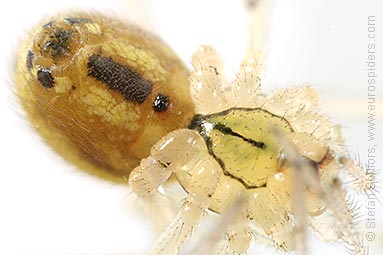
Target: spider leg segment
181, 150
207, 82
246, 87
230, 199
145, 181
329, 189
238, 236
362, 179
213, 243
182, 227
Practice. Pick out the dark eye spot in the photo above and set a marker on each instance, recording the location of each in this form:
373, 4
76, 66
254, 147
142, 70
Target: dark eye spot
44, 76
48, 25
161, 103
58, 43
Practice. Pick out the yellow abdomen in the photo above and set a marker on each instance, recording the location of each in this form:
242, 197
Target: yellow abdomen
101, 92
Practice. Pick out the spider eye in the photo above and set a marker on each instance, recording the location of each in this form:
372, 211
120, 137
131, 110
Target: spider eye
44, 76
161, 103
59, 40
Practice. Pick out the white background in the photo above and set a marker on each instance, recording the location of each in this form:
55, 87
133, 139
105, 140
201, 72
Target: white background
49, 207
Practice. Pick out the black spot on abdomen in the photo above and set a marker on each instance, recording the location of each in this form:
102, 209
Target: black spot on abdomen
120, 78
45, 78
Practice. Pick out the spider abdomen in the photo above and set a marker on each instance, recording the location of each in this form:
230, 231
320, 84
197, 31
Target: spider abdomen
101, 92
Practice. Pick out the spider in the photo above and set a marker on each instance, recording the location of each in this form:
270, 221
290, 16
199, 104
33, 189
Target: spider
282, 159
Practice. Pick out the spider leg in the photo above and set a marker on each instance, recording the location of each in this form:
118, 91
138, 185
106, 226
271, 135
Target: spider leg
264, 209
204, 178
229, 200
299, 208
285, 238
257, 12
184, 152
329, 189
167, 155
238, 236
182, 227
207, 83
342, 212
325, 227
299, 165
145, 181
363, 180
232, 202
246, 87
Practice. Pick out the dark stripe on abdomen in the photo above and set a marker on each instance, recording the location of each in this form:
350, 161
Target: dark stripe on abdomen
120, 78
